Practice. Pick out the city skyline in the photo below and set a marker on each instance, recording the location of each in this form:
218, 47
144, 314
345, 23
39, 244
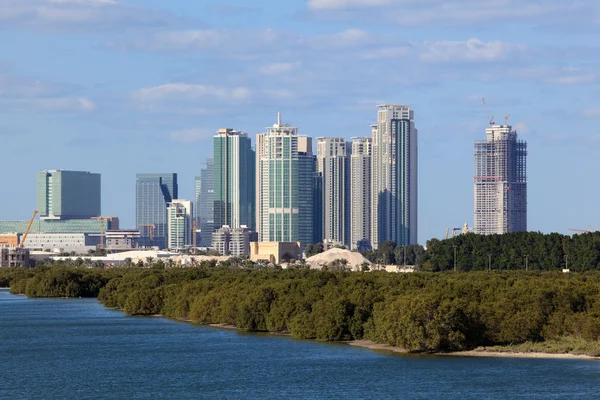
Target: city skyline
133, 83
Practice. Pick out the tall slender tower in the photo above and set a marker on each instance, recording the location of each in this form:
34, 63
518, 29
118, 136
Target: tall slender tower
332, 164
394, 179
206, 204
154, 192
180, 214
500, 182
360, 191
234, 179
285, 178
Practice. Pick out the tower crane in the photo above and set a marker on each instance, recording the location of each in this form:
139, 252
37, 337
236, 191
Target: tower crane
491, 120
506, 119
27, 230
101, 219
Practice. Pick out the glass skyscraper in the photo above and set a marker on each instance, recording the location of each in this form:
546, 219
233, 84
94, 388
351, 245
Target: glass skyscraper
65, 195
285, 181
180, 218
154, 192
332, 163
205, 204
500, 186
234, 180
394, 176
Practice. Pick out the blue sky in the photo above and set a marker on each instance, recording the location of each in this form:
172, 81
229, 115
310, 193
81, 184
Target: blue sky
120, 87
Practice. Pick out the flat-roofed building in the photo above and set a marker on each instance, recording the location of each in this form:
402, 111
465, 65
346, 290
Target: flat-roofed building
275, 252
122, 240
68, 194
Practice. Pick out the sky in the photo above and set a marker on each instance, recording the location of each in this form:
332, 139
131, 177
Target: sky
122, 87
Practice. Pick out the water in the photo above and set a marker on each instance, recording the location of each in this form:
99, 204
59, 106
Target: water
76, 349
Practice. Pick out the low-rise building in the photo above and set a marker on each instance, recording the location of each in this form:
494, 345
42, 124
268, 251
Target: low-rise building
122, 240
234, 242
9, 240
65, 242
275, 252
14, 257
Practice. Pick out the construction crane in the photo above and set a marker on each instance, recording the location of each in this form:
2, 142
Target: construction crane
506, 119
151, 231
491, 120
582, 230
27, 230
101, 219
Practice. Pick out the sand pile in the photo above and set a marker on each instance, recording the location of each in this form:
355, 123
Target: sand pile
355, 259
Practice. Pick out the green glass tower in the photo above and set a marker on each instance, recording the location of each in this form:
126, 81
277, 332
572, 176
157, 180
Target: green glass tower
234, 179
63, 195
285, 181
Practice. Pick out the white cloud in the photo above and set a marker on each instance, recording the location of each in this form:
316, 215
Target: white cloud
278, 68
345, 4
191, 92
190, 135
56, 105
473, 50
227, 43
457, 12
80, 15
576, 79
593, 112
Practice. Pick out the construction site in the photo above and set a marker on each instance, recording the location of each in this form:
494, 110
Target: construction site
500, 181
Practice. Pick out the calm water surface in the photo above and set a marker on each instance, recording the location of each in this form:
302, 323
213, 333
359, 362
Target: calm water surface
76, 349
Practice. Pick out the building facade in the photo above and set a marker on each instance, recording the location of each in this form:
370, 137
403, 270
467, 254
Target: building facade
285, 176
80, 243
205, 204
180, 224
234, 179
332, 164
65, 195
122, 240
154, 192
233, 241
360, 192
500, 182
394, 176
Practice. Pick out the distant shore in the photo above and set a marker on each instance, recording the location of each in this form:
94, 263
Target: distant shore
473, 353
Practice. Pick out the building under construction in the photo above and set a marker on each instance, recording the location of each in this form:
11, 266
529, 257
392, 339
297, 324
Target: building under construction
14, 257
500, 182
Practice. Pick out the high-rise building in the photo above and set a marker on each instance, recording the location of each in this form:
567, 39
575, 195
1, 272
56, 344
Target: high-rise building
332, 163
154, 192
197, 191
500, 182
285, 176
394, 176
180, 224
205, 204
234, 179
360, 190
63, 195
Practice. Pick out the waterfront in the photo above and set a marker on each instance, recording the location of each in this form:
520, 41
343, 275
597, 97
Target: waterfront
75, 349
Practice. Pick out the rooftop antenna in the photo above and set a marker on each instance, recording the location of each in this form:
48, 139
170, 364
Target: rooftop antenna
491, 120
278, 118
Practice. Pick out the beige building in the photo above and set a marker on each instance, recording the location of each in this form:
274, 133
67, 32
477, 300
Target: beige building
9, 240
275, 252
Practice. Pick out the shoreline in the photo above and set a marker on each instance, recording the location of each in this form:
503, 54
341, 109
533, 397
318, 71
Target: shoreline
368, 344
371, 345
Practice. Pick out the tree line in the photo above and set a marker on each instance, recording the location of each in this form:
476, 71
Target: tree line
423, 312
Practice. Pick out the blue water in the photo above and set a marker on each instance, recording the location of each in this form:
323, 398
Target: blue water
76, 349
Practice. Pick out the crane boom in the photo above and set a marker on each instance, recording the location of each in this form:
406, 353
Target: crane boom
28, 228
